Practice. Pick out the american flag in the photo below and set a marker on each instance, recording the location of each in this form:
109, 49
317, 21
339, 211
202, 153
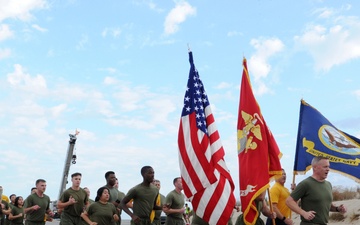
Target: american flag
206, 179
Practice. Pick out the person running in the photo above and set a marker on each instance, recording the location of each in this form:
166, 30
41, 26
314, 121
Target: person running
87, 190
17, 214
37, 205
101, 212
73, 201
157, 216
278, 195
174, 204
11, 205
3, 197
316, 196
4, 206
111, 184
144, 197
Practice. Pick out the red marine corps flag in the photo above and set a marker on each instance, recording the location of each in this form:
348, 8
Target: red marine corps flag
258, 153
206, 179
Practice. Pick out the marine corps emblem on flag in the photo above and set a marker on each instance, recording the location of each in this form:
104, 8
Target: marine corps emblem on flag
246, 134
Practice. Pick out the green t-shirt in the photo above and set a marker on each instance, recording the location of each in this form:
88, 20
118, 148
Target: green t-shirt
16, 211
158, 212
81, 198
101, 213
43, 202
7, 221
315, 196
176, 201
2, 215
114, 194
144, 199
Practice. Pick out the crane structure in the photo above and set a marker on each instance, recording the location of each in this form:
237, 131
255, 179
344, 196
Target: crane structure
70, 159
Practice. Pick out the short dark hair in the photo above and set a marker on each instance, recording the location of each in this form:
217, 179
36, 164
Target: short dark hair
39, 181
108, 173
144, 169
33, 188
12, 195
175, 179
76, 174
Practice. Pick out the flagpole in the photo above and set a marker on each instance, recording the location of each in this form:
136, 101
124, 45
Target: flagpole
292, 189
270, 205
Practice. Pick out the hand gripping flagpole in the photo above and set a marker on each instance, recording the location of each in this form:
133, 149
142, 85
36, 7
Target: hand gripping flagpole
271, 206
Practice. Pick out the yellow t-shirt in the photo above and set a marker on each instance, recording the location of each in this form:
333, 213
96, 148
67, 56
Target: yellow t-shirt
279, 194
5, 198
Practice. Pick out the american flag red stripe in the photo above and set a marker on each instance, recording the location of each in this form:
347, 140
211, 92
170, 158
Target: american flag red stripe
193, 161
206, 179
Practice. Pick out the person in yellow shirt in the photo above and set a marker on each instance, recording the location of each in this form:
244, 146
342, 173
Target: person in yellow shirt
278, 195
4, 197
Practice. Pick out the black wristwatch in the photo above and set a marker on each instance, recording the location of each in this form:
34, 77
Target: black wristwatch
117, 201
284, 218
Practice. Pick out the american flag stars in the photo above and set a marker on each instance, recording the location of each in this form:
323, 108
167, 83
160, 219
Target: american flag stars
196, 100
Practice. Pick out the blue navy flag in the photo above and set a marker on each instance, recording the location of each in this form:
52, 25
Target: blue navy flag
318, 137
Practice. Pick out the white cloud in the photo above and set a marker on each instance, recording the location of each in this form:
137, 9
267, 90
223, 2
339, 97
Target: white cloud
110, 80
130, 97
159, 108
177, 16
21, 80
234, 33
357, 94
20, 9
108, 69
25, 109
114, 32
5, 32
58, 110
70, 93
134, 123
258, 63
5, 53
101, 105
37, 27
50, 53
83, 42
331, 45
148, 3
324, 12
223, 85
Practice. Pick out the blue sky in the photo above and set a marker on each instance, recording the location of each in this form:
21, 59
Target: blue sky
117, 72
